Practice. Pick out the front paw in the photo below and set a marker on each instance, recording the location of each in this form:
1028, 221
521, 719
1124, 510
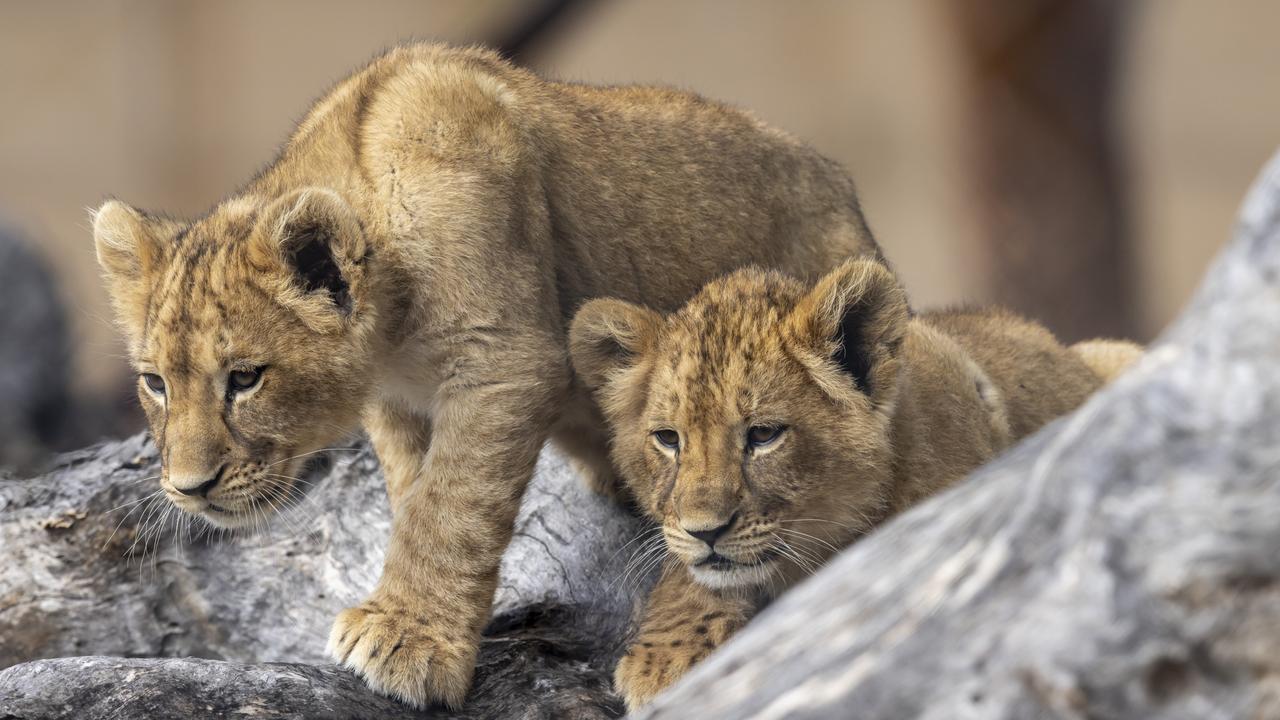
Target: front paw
400, 652
647, 669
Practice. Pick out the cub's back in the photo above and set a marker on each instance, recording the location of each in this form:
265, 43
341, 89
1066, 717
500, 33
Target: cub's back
1038, 376
656, 191
640, 193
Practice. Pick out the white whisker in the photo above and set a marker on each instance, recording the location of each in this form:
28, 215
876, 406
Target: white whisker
314, 452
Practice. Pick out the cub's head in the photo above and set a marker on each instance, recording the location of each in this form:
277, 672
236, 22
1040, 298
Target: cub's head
753, 424
250, 333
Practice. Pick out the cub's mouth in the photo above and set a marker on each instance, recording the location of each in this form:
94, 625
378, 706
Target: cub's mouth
720, 571
258, 494
716, 561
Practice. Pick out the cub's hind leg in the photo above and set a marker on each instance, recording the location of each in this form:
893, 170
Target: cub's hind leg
1107, 358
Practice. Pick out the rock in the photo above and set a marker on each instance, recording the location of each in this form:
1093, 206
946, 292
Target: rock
1124, 562
99, 565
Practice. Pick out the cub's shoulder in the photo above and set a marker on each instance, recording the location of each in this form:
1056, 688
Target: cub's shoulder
993, 323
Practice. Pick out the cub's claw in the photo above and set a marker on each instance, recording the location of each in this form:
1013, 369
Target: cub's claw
400, 652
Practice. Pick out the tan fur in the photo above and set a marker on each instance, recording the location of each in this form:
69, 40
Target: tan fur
410, 262
1108, 358
918, 403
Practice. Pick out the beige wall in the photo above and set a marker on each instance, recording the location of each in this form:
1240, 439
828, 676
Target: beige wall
170, 105
1202, 116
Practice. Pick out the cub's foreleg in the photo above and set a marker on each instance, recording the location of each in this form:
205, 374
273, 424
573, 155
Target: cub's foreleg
470, 236
683, 623
417, 635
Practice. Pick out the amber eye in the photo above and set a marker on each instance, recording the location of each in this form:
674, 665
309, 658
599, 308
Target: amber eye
667, 438
154, 382
763, 435
241, 380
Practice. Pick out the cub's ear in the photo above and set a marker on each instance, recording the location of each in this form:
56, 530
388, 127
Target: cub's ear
315, 238
854, 320
608, 335
129, 250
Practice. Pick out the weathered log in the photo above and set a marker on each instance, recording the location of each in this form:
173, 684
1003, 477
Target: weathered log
1125, 562
94, 567
531, 666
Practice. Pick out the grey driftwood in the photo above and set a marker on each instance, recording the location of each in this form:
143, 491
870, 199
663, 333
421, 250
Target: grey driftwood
1125, 562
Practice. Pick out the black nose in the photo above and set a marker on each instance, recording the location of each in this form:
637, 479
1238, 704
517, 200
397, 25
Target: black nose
203, 488
710, 536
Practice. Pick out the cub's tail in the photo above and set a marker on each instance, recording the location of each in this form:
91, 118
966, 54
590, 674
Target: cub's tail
1108, 358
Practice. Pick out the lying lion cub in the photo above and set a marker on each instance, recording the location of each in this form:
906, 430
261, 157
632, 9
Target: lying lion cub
765, 427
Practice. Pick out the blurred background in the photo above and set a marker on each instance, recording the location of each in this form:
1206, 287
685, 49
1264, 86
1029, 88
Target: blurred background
1080, 160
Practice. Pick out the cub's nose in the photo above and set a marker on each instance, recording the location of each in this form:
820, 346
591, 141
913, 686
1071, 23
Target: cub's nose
196, 487
709, 536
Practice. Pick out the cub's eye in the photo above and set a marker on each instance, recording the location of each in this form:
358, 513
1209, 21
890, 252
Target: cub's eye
669, 439
241, 380
154, 382
763, 435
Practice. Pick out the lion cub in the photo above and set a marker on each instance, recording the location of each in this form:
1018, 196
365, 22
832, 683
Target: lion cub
766, 425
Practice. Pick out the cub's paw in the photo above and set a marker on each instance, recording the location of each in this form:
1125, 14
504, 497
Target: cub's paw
400, 652
648, 668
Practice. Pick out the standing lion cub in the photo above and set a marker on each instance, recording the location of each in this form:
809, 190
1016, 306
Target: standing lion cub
765, 426
409, 262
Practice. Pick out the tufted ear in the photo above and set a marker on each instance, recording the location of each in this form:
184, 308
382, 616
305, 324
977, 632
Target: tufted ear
314, 237
854, 320
128, 246
608, 335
